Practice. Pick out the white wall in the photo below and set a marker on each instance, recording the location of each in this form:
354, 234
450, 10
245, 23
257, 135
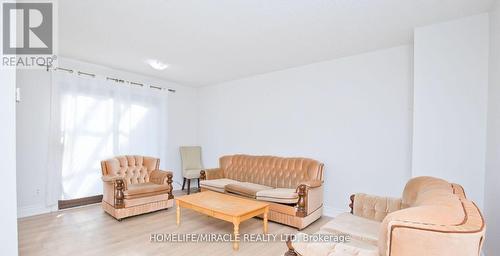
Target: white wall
8, 218
32, 121
353, 114
33, 128
450, 102
492, 188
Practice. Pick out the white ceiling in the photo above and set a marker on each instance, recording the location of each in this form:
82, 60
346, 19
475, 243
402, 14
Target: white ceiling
207, 42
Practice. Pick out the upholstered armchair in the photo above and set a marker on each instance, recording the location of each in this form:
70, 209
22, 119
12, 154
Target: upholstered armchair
135, 185
432, 218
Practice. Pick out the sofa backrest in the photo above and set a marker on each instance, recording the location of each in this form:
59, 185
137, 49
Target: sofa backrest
272, 171
134, 169
416, 190
434, 211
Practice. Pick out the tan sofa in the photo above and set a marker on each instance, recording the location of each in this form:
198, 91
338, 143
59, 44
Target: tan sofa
433, 218
292, 186
134, 185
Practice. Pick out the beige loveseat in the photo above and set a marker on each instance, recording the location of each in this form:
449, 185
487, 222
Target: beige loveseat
135, 185
433, 218
292, 186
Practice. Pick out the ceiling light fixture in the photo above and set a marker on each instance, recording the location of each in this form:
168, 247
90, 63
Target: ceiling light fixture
156, 64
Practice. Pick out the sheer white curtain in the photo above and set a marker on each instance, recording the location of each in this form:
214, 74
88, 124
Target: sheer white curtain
94, 119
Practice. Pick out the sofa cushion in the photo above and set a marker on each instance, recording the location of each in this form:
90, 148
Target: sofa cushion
245, 189
359, 228
217, 184
131, 202
145, 189
191, 173
278, 195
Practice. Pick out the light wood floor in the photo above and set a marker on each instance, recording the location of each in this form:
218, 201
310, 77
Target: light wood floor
89, 231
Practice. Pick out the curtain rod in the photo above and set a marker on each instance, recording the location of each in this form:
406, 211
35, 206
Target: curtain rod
118, 80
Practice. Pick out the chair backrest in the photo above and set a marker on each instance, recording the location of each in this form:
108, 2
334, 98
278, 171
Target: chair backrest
191, 158
272, 171
135, 169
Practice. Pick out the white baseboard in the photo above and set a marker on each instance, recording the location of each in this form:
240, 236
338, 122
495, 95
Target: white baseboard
31, 210
332, 212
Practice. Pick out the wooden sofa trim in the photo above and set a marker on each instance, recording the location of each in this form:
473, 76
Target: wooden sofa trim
169, 182
119, 196
291, 251
351, 205
302, 203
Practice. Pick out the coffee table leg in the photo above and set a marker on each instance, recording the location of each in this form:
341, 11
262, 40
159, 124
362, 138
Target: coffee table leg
265, 220
178, 215
236, 243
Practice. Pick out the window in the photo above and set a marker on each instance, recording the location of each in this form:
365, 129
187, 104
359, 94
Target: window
95, 119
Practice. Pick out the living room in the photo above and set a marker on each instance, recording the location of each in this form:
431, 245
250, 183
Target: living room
250, 127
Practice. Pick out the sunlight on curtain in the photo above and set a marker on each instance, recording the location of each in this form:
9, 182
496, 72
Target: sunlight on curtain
100, 119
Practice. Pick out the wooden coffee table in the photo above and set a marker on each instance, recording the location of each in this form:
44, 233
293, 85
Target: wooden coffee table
224, 207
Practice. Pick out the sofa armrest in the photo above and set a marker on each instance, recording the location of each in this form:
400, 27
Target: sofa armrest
311, 183
159, 177
373, 207
402, 236
310, 197
110, 178
118, 186
211, 174
115, 179
162, 177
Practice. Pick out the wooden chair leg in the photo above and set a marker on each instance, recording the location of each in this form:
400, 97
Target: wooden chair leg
189, 186
183, 183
